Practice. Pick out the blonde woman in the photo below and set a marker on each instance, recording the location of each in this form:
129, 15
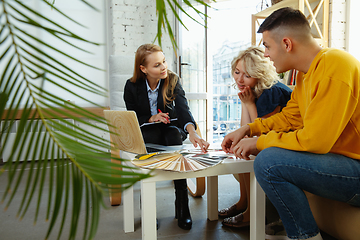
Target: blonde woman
261, 95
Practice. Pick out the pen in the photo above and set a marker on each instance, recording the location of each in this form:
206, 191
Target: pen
161, 112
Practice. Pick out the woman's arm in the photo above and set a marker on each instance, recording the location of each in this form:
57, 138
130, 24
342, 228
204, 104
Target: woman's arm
245, 117
136, 103
249, 110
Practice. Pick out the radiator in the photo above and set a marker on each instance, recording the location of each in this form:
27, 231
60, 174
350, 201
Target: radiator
37, 127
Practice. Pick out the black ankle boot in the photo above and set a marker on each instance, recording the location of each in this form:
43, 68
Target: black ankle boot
182, 212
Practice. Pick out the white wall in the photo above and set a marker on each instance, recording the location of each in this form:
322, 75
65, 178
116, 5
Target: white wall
93, 29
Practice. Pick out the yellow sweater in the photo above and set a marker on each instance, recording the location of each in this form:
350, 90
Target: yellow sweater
323, 114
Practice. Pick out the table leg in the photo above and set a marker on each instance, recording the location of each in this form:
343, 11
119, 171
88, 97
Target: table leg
128, 208
257, 210
148, 210
212, 198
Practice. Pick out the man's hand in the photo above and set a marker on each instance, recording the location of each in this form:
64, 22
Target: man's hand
245, 147
233, 138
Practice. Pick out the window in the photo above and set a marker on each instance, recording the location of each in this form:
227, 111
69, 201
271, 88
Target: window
208, 54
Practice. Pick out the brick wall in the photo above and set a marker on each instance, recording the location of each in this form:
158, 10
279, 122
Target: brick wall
134, 22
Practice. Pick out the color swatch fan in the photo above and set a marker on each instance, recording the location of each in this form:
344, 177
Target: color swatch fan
180, 161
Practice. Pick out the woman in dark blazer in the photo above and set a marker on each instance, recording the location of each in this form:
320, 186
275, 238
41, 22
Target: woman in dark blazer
156, 95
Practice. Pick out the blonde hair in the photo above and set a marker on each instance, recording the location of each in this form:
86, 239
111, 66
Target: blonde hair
141, 60
257, 66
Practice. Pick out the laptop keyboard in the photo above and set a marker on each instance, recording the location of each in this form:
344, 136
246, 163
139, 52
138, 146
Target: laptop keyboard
152, 150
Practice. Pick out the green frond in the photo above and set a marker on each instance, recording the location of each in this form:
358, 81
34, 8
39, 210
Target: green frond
173, 9
66, 16
67, 156
88, 4
163, 22
55, 49
36, 24
64, 159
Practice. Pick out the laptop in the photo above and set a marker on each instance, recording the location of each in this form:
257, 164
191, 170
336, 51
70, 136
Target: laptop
127, 136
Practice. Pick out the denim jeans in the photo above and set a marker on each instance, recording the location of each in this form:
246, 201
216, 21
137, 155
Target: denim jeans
284, 174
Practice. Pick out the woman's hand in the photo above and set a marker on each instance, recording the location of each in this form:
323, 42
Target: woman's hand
160, 117
195, 139
248, 109
247, 96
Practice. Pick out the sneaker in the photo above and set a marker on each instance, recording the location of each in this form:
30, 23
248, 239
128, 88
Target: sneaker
275, 231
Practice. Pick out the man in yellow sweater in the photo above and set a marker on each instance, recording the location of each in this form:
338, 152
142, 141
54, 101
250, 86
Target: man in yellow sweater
314, 143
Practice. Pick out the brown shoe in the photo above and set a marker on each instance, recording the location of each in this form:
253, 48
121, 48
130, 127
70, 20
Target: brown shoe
230, 211
235, 222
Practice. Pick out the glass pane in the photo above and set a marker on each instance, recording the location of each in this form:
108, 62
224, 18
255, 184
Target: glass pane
192, 45
197, 109
229, 31
193, 63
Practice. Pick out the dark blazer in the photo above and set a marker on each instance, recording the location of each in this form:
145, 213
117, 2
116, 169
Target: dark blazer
136, 99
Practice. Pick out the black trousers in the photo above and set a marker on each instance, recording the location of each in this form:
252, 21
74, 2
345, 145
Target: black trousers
163, 134
167, 135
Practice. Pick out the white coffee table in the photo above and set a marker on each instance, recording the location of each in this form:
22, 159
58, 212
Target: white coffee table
148, 192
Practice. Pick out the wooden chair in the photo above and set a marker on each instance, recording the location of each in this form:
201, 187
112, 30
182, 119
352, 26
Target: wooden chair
126, 136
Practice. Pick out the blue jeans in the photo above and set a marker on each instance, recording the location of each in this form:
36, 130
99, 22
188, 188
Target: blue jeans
284, 174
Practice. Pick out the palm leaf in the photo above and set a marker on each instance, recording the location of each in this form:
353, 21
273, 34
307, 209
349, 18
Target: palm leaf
71, 159
163, 21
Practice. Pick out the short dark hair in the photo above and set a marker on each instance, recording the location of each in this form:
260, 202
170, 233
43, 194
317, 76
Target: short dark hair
284, 17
